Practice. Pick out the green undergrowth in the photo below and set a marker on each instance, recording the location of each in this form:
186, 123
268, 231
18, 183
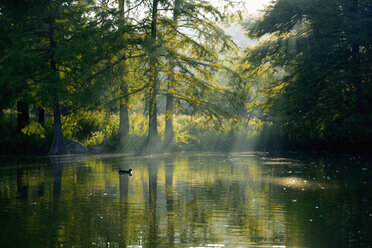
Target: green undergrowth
191, 133
100, 128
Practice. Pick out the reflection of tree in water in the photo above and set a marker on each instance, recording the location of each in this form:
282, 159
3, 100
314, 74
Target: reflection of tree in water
153, 165
124, 208
216, 201
57, 164
22, 189
60, 214
169, 165
124, 187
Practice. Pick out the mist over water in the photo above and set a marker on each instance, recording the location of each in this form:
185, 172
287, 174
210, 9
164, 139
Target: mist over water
186, 200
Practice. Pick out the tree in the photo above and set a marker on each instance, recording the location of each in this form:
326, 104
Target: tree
169, 133
152, 141
131, 41
66, 47
324, 48
193, 43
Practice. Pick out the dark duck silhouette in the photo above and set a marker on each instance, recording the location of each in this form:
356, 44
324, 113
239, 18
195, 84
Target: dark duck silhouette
129, 172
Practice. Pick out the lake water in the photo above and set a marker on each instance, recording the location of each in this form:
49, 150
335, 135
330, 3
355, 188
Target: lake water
186, 200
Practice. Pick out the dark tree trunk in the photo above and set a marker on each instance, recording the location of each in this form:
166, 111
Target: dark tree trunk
124, 118
23, 117
153, 123
41, 116
124, 104
152, 139
169, 133
58, 144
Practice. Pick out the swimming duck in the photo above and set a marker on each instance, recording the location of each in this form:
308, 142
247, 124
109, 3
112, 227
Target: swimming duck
126, 171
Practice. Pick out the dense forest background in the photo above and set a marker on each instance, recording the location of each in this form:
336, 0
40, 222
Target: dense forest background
156, 75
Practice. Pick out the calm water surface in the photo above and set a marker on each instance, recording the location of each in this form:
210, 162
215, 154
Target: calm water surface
186, 200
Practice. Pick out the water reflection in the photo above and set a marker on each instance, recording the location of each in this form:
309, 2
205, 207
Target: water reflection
57, 164
152, 165
169, 167
22, 189
186, 200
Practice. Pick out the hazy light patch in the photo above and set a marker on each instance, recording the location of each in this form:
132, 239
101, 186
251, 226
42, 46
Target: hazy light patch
248, 8
293, 182
239, 36
208, 245
297, 183
277, 163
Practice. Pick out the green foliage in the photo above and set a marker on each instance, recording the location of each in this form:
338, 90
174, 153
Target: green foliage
324, 48
90, 127
36, 139
209, 134
307, 83
34, 128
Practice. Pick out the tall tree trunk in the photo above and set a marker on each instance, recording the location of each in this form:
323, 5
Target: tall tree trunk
58, 144
169, 132
41, 116
124, 103
153, 124
23, 117
124, 114
152, 139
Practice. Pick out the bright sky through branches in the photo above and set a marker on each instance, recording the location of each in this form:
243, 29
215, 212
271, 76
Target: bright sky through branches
248, 8
254, 6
